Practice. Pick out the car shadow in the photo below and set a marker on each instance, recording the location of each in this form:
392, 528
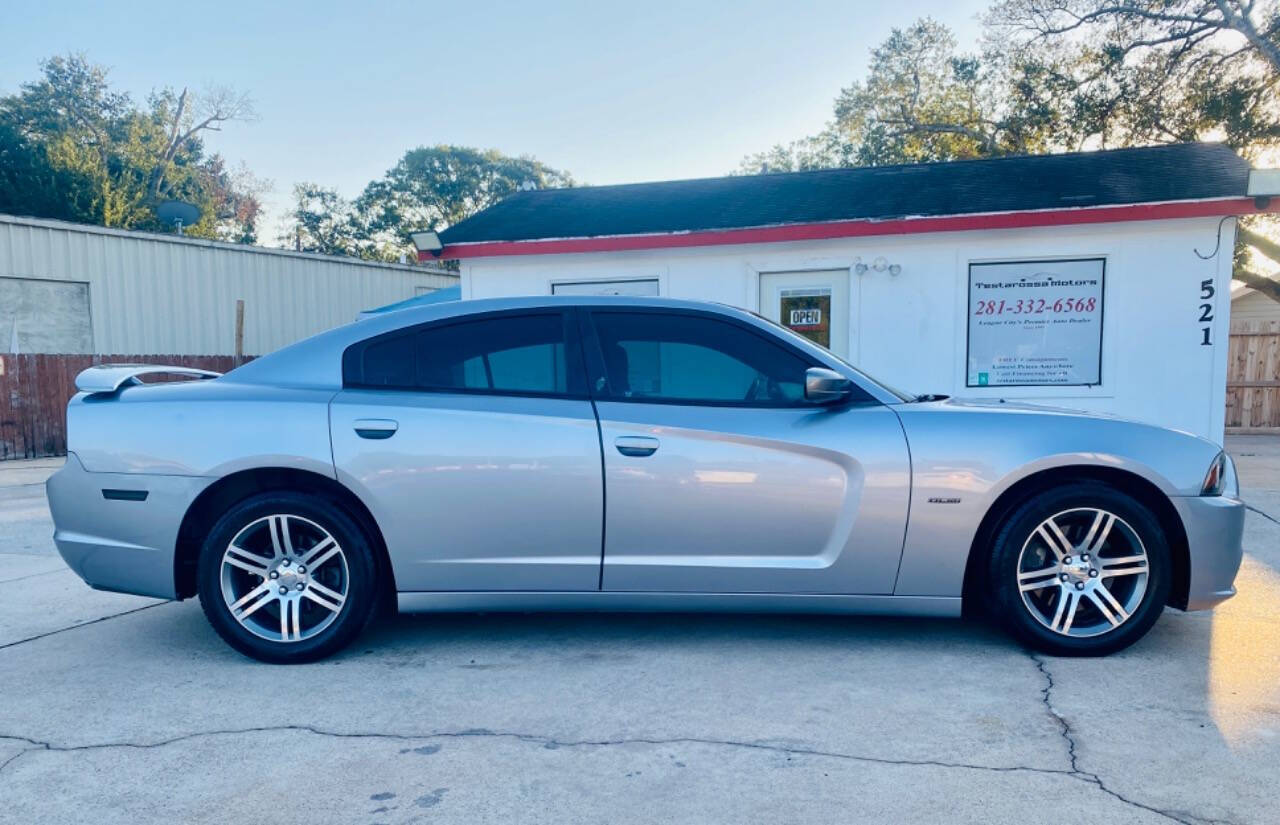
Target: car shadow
700, 631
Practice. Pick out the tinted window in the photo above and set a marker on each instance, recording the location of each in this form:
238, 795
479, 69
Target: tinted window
695, 358
518, 354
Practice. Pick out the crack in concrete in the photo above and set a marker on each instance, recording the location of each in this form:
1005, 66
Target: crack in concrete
537, 739
1262, 513
47, 634
1066, 731
1074, 773
22, 752
1069, 735
33, 575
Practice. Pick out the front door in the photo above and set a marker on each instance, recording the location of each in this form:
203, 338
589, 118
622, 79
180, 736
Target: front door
722, 479
813, 304
475, 446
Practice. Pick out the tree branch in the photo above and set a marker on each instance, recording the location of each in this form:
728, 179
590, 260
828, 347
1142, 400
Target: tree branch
171, 147
1269, 287
1045, 28
1242, 24
1261, 243
987, 141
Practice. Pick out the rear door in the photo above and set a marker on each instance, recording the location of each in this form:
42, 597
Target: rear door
475, 445
721, 478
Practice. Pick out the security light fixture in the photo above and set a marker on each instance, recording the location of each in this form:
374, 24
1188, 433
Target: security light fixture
1264, 182
880, 264
427, 241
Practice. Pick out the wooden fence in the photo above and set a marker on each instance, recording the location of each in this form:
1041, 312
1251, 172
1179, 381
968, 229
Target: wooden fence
1253, 377
34, 390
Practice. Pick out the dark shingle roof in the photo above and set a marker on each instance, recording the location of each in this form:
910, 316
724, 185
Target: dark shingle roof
1187, 171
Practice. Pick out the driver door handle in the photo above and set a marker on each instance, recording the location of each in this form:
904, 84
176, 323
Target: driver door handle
375, 428
636, 446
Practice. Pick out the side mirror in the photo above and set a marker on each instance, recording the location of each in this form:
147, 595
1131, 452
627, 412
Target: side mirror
824, 386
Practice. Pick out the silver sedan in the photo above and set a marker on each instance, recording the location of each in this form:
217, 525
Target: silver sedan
623, 454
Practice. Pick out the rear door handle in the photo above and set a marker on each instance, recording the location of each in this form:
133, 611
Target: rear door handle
636, 446
375, 428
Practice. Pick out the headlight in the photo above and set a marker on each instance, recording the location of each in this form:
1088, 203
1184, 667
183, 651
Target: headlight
1221, 479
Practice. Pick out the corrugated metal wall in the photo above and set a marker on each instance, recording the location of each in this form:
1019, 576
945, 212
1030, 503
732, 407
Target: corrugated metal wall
153, 293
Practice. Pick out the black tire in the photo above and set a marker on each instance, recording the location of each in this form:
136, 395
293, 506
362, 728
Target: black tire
1006, 600
359, 578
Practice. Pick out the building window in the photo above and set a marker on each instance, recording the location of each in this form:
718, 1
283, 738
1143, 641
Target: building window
1035, 323
633, 286
39, 315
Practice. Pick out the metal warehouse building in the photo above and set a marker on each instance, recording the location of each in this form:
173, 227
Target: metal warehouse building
76, 289
73, 295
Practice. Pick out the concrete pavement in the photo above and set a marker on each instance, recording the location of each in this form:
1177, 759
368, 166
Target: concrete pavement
116, 709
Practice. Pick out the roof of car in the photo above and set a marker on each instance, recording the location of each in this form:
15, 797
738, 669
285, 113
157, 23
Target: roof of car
313, 361
429, 312
1176, 172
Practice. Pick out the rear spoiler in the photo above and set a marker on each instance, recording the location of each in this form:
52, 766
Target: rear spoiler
111, 377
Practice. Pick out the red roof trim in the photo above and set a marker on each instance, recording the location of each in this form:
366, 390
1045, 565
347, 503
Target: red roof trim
859, 228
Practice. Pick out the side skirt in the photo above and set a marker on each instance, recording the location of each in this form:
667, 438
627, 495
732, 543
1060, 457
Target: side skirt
465, 602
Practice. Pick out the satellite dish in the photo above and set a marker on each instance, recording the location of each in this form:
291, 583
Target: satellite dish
178, 213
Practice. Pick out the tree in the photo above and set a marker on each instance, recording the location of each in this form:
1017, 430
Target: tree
1057, 75
1143, 71
72, 148
923, 100
320, 221
429, 188
1154, 71
432, 187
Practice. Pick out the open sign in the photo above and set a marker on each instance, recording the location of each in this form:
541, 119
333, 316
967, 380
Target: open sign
811, 317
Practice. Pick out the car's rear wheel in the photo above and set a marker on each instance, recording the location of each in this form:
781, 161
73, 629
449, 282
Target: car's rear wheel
1080, 570
286, 577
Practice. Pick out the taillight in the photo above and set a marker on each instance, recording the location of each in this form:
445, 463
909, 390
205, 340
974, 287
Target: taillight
1221, 478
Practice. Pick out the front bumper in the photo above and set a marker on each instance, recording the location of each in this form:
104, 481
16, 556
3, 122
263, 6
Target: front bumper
1215, 532
125, 544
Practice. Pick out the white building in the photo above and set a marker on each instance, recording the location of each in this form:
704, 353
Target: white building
1097, 281
72, 288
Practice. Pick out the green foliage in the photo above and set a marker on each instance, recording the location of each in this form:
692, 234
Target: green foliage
1154, 71
430, 187
1057, 75
74, 149
923, 100
321, 221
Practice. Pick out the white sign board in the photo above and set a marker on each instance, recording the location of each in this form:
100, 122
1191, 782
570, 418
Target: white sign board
1035, 323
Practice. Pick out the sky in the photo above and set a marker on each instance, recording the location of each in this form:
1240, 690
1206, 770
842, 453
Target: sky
612, 93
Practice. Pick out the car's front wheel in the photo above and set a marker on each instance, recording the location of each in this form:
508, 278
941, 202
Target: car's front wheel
286, 577
1080, 570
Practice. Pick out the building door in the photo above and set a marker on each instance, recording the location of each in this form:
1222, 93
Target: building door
813, 304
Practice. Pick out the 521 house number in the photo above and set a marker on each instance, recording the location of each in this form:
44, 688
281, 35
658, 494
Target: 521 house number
1206, 312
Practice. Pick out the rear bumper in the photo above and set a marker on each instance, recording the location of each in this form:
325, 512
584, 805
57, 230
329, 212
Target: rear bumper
1215, 532
125, 544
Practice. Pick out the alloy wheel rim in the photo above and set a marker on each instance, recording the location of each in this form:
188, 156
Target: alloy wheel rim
1083, 572
276, 590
